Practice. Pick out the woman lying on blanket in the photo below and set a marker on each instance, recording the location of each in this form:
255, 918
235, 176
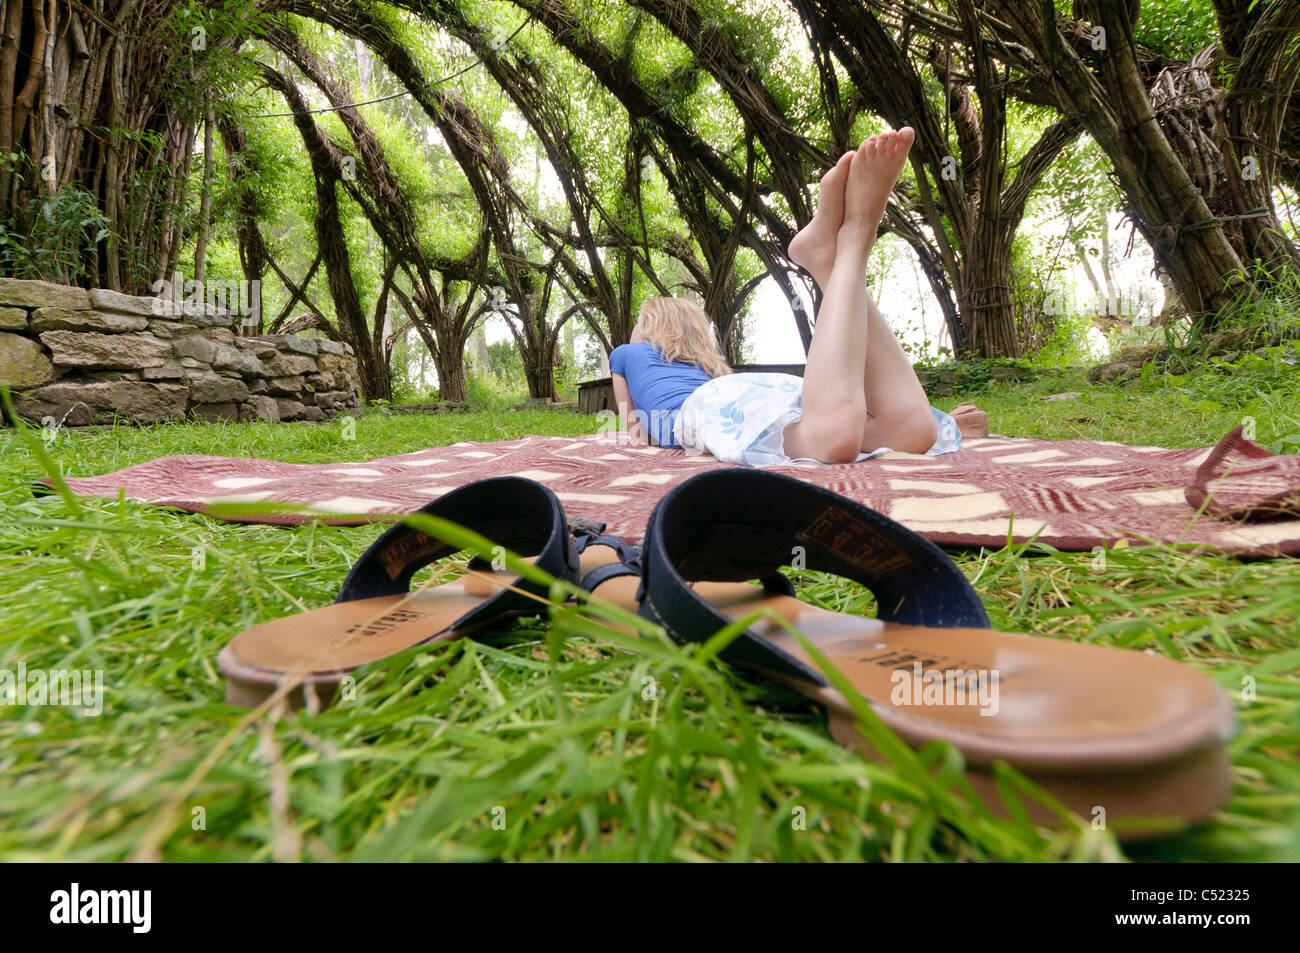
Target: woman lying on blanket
858, 394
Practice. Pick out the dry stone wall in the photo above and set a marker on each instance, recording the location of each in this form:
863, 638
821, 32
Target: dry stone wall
91, 357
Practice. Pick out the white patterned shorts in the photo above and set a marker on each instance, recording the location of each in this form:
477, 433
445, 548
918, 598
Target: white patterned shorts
741, 418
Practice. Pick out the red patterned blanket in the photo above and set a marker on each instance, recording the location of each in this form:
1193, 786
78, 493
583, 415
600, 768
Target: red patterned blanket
1072, 494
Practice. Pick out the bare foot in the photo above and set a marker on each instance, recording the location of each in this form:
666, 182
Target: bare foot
813, 249
871, 178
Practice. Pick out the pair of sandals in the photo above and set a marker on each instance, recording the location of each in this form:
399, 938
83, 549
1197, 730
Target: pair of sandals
1126, 733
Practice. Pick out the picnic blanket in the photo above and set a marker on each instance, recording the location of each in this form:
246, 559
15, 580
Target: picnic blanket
1074, 494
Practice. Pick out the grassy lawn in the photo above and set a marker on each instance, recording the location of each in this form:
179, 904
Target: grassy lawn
553, 742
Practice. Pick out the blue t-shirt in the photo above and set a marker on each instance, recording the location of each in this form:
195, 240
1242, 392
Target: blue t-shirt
658, 388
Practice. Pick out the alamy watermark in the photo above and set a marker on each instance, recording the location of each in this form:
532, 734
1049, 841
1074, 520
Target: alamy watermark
66, 688
178, 297
133, 908
950, 688
1137, 308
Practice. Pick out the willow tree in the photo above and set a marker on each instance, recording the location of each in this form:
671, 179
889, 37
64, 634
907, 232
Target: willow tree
658, 112
328, 166
1195, 147
971, 193
719, 238
597, 156
254, 256
439, 291
98, 106
1173, 172
528, 251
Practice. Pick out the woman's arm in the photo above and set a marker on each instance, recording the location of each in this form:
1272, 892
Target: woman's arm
626, 412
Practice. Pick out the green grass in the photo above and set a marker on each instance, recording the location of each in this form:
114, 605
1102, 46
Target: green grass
560, 739
1169, 410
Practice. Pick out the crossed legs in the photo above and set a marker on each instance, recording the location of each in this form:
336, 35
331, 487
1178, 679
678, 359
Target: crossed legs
860, 392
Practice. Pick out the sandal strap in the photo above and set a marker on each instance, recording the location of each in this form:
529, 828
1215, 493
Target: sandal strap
628, 564
738, 524
520, 514
626, 551
607, 572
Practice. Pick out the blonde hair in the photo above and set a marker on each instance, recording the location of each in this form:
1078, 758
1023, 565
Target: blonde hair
682, 332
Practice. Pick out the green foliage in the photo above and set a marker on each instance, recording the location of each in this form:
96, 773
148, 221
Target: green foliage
1271, 304
566, 379
487, 391
1067, 344
971, 377
1051, 335
1177, 28
409, 366
209, 61
65, 230
1264, 387
1078, 188
1192, 408
505, 362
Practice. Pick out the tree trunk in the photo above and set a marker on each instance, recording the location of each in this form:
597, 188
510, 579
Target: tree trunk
1112, 104
449, 362
254, 257
1222, 139
539, 372
205, 201
536, 342
479, 342
985, 302
89, 102
326, 163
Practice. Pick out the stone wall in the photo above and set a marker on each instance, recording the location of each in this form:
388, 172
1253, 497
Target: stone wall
90, 357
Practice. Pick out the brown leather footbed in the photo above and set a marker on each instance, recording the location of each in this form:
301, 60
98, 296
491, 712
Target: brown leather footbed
319, 647
1135, 733
1139, 735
